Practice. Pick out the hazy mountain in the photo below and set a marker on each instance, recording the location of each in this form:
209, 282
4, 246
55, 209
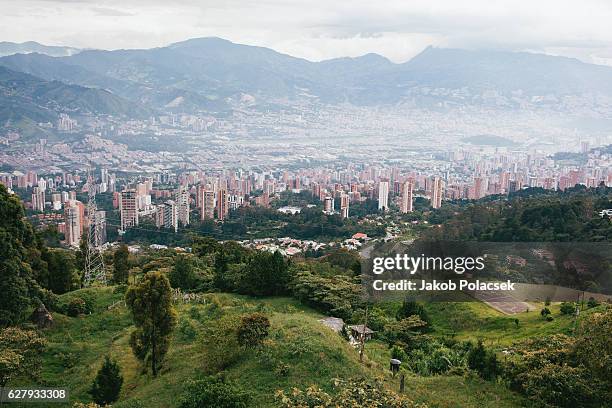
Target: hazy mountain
24, 97
10, 48
205, 73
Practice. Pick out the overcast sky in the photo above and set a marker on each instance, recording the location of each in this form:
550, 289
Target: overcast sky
320, 29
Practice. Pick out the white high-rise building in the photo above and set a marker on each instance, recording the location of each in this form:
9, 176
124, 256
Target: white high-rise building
38, 199
383, 195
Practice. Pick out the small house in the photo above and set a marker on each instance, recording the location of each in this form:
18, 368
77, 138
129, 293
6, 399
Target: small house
359, 330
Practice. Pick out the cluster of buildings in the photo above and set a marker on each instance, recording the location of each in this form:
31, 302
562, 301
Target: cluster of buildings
172, 197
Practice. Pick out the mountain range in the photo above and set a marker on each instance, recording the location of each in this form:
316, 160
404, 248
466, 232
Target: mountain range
212, 74
10, 48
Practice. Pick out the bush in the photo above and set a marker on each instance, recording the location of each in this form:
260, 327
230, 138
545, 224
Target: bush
214, 392
544, 312
592, 303
253, 330
567, 308
131, 403
410, 308
482, 361
348, 394
563, 371
76, 306
398, 353
561, 386
107, 384
187, 330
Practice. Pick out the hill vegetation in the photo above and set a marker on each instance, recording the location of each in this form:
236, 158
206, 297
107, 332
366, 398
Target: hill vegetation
241, 328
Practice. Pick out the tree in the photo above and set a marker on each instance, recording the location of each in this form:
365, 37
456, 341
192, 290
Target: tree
121, 264
483, 361
81, 254
214, 392
150, 302
61, 276
405, 330
410, 308
17, 239
253, 330
20, 354
182, 275
107, 384
266, 274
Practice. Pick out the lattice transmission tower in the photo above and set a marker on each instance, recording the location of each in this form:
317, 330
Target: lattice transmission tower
94, 261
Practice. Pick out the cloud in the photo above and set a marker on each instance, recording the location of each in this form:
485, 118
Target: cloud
318, 29
103, 11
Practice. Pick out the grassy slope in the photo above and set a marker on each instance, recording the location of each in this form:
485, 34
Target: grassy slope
312, 353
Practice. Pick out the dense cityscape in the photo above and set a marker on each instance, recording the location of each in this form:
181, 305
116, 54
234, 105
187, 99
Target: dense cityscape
169, 188
306, 204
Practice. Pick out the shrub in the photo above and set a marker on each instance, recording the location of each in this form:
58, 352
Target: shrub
560, 386
398, 353
187, 330
76, 306
349, 394
567, 308
544, 312
253, 330
592, 303
482, 361
107, 384
214, 392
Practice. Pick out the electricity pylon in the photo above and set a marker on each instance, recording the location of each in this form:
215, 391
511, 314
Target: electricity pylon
94, 261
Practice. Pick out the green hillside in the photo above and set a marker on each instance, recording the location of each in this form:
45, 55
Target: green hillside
300, 352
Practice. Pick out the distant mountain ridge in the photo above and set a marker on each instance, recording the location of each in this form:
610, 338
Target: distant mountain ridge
208, 74
27, 99
10, 48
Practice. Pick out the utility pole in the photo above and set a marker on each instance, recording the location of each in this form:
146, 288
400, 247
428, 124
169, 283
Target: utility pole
94, 261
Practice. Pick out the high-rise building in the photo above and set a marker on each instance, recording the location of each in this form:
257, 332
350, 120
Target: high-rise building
437, 191
222, 204
182, 204
328, 205
56, 201
406, 203
166, 215
344, 205
72, 215
128, 209
38, 199
207, 204
383, 195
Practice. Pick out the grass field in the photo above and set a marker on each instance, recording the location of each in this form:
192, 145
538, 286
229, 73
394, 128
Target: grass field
299, 352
